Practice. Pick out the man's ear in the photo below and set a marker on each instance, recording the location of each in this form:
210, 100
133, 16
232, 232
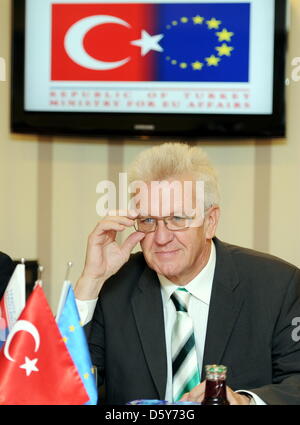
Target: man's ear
211, 221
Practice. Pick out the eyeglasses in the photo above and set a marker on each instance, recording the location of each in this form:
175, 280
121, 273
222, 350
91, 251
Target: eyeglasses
149, 224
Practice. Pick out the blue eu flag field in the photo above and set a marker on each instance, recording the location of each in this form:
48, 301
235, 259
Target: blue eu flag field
75, 339
206, 42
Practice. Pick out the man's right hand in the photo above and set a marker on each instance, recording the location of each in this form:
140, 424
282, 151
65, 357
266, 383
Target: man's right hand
104, 257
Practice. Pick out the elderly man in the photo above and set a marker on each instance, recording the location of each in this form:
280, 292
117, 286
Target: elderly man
239, 304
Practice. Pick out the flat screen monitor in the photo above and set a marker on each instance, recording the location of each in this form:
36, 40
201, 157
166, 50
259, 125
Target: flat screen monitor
211, 68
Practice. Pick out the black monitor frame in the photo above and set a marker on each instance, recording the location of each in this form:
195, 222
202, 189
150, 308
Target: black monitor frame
145, 124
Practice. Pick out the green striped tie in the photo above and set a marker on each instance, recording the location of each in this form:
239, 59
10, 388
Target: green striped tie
184, 359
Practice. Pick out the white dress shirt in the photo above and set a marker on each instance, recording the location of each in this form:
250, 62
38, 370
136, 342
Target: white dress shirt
200, 289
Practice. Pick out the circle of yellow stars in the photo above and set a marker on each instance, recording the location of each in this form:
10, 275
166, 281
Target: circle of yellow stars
213, 60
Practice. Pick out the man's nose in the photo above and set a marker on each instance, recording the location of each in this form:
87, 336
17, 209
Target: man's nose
162, 234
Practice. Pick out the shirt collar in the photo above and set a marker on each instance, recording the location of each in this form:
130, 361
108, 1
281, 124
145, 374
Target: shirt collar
200, 287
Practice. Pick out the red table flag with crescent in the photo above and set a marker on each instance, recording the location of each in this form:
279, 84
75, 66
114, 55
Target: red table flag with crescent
35, 365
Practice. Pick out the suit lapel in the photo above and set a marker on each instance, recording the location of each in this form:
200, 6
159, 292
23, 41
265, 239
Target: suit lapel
148, 312
225, 304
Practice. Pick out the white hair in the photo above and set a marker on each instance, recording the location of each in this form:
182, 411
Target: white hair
171, 160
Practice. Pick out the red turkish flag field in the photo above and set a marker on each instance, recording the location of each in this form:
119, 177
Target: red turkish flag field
35, 365
108, 42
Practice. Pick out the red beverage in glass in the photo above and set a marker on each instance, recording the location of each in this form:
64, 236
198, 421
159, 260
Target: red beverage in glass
215, 386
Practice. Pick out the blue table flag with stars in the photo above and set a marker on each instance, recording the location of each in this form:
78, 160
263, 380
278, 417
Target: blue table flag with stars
206, 42
75, 339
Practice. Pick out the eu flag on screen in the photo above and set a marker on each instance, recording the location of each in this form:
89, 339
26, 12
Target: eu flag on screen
204, 42
75, 339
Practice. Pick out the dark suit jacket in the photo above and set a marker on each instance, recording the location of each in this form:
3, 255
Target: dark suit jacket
254, 300
6, 270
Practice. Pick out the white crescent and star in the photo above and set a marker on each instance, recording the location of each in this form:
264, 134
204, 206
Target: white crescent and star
75, 37
24, 325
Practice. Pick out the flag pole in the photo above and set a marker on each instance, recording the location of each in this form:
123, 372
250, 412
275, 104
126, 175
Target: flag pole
64, 291
39, 280
69, 266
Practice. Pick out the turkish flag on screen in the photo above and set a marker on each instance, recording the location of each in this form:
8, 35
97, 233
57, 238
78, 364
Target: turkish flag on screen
35, 365
101, 33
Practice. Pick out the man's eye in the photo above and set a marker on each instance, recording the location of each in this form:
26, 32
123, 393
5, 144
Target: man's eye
178, 218
147, 220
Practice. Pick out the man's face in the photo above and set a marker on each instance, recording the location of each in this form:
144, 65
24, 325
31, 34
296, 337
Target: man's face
179, 255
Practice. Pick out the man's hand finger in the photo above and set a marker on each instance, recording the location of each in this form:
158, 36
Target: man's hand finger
236, 399
196, 394
231, 397
117, 224
185, 397
131, 242
101, 234
121, 220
